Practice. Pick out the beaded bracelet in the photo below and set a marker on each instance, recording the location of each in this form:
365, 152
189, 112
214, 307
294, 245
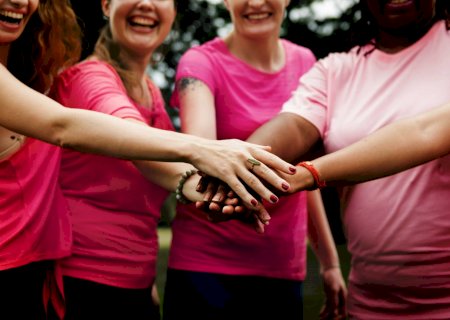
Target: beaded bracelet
317, 182
179, 190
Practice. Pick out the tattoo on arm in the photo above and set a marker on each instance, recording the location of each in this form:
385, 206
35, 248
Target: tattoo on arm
185, 84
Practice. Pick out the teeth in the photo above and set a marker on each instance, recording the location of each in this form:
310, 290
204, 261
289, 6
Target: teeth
143, 21
10, 14
258, 16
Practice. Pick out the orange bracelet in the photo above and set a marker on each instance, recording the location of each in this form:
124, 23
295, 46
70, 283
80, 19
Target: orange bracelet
317, 182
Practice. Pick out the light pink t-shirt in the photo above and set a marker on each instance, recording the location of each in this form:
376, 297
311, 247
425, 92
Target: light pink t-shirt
115, 209
398, 227
245, 98
34, 218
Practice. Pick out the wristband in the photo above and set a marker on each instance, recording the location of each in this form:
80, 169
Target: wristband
179, 190
317, 182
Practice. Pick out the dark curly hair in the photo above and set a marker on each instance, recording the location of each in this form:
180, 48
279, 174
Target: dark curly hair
365, 29
50, 42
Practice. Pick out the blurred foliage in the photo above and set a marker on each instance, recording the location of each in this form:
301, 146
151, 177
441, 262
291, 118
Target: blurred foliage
322, 25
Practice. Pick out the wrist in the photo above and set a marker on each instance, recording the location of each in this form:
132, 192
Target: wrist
179, 190
314, 182
329, 267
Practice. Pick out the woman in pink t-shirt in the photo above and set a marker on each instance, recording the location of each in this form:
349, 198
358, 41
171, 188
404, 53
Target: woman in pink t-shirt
39, 39
226, 88
397, 227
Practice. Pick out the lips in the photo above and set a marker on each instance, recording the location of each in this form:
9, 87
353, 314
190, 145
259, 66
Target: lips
398, 4
11, 17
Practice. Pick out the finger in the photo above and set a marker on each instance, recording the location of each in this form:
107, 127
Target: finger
221, 193
210, 190
213, 206
342, 306
271, 177
271, 160
200, 205
228, 209
203, 182
254, 185
259, 226
231, 202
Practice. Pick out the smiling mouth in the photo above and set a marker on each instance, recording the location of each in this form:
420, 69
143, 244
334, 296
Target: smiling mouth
11, 17
257, 16
142, 22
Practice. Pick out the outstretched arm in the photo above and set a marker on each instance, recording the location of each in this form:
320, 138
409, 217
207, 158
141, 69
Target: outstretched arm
394, 148
27, 112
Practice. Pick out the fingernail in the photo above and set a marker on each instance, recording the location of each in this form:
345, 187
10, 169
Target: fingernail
274, 199
285, 186
293, 169
254, 202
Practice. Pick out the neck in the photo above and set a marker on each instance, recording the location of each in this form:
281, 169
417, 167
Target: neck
266, 55
136, 63
394, 41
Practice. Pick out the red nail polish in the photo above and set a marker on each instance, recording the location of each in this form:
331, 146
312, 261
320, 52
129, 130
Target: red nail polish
293, 169
274, 199
285, 186
254, 202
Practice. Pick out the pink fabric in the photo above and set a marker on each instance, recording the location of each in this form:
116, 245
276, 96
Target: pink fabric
245, 98
34, 218
115, 209
398, 228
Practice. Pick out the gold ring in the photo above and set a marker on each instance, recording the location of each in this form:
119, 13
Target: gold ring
254, 162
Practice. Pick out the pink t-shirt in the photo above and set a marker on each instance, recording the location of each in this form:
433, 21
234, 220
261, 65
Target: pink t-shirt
34, 218
115, 209
398, 227
245, 98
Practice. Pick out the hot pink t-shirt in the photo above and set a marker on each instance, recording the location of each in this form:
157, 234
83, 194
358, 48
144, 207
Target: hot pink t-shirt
115, 209
398, 227
245, 98
34, 218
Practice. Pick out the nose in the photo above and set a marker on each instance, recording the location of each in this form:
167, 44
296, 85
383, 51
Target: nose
19, 3
256, 3
146, 4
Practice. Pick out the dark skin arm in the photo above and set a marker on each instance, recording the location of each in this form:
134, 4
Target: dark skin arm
289, 135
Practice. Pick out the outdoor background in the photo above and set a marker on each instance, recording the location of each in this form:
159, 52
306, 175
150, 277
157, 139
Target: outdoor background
322, 25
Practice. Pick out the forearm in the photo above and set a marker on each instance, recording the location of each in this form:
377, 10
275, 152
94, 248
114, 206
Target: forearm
319, 233
85, 130
397, 147
290, 136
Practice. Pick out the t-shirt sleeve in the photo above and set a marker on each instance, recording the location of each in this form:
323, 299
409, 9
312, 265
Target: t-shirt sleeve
309, 100
194, 64
96, 87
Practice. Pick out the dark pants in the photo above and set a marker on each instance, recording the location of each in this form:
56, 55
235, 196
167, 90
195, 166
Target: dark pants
209, 296
87, 300
22, 291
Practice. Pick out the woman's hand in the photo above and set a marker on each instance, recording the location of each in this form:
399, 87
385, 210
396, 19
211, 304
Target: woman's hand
334, 307
240, 164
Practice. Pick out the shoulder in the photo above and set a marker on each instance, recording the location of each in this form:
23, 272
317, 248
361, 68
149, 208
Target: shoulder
95, 70
297, 49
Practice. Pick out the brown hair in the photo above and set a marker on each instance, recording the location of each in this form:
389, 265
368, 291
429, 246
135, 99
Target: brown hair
50, 42
107, 50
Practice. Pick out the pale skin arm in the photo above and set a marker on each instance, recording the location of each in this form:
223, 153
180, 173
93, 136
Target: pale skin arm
394, 148
27, 112
198, 117
323, 245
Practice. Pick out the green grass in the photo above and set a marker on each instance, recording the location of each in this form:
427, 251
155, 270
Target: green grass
313, 293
